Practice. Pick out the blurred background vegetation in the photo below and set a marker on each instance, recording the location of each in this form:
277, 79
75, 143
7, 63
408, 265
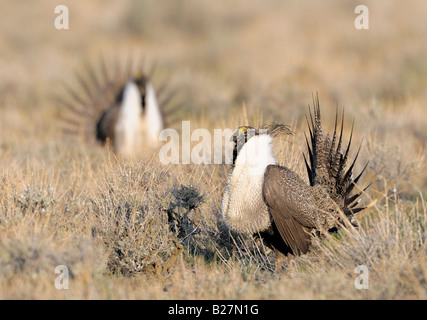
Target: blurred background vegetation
229, 62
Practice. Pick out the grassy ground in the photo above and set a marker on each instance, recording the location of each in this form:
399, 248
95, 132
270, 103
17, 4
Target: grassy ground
108, 220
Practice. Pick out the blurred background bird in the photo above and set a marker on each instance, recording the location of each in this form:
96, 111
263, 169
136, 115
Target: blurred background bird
117, 106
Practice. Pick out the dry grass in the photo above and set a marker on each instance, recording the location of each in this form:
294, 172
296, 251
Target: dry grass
137, 229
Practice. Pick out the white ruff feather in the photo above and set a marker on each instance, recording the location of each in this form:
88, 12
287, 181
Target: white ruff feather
127, 128
243, 205
153, 117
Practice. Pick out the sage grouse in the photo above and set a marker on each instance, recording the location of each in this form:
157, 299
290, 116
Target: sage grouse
117, 106
272, 201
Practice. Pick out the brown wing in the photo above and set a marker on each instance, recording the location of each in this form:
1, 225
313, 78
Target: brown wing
291, 205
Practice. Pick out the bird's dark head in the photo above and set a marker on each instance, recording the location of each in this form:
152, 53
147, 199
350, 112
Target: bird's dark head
244, 133
240, 136
141, 81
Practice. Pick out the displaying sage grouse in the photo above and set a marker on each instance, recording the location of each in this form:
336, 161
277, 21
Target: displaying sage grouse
117, 106
272, 201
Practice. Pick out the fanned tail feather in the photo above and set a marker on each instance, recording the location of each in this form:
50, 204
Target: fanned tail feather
327, 162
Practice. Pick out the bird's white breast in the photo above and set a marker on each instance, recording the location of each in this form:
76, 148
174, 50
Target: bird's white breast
243, 206
127, 128
153, 116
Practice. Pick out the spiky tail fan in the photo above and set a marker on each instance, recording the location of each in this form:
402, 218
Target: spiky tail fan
328, 164
98, 89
